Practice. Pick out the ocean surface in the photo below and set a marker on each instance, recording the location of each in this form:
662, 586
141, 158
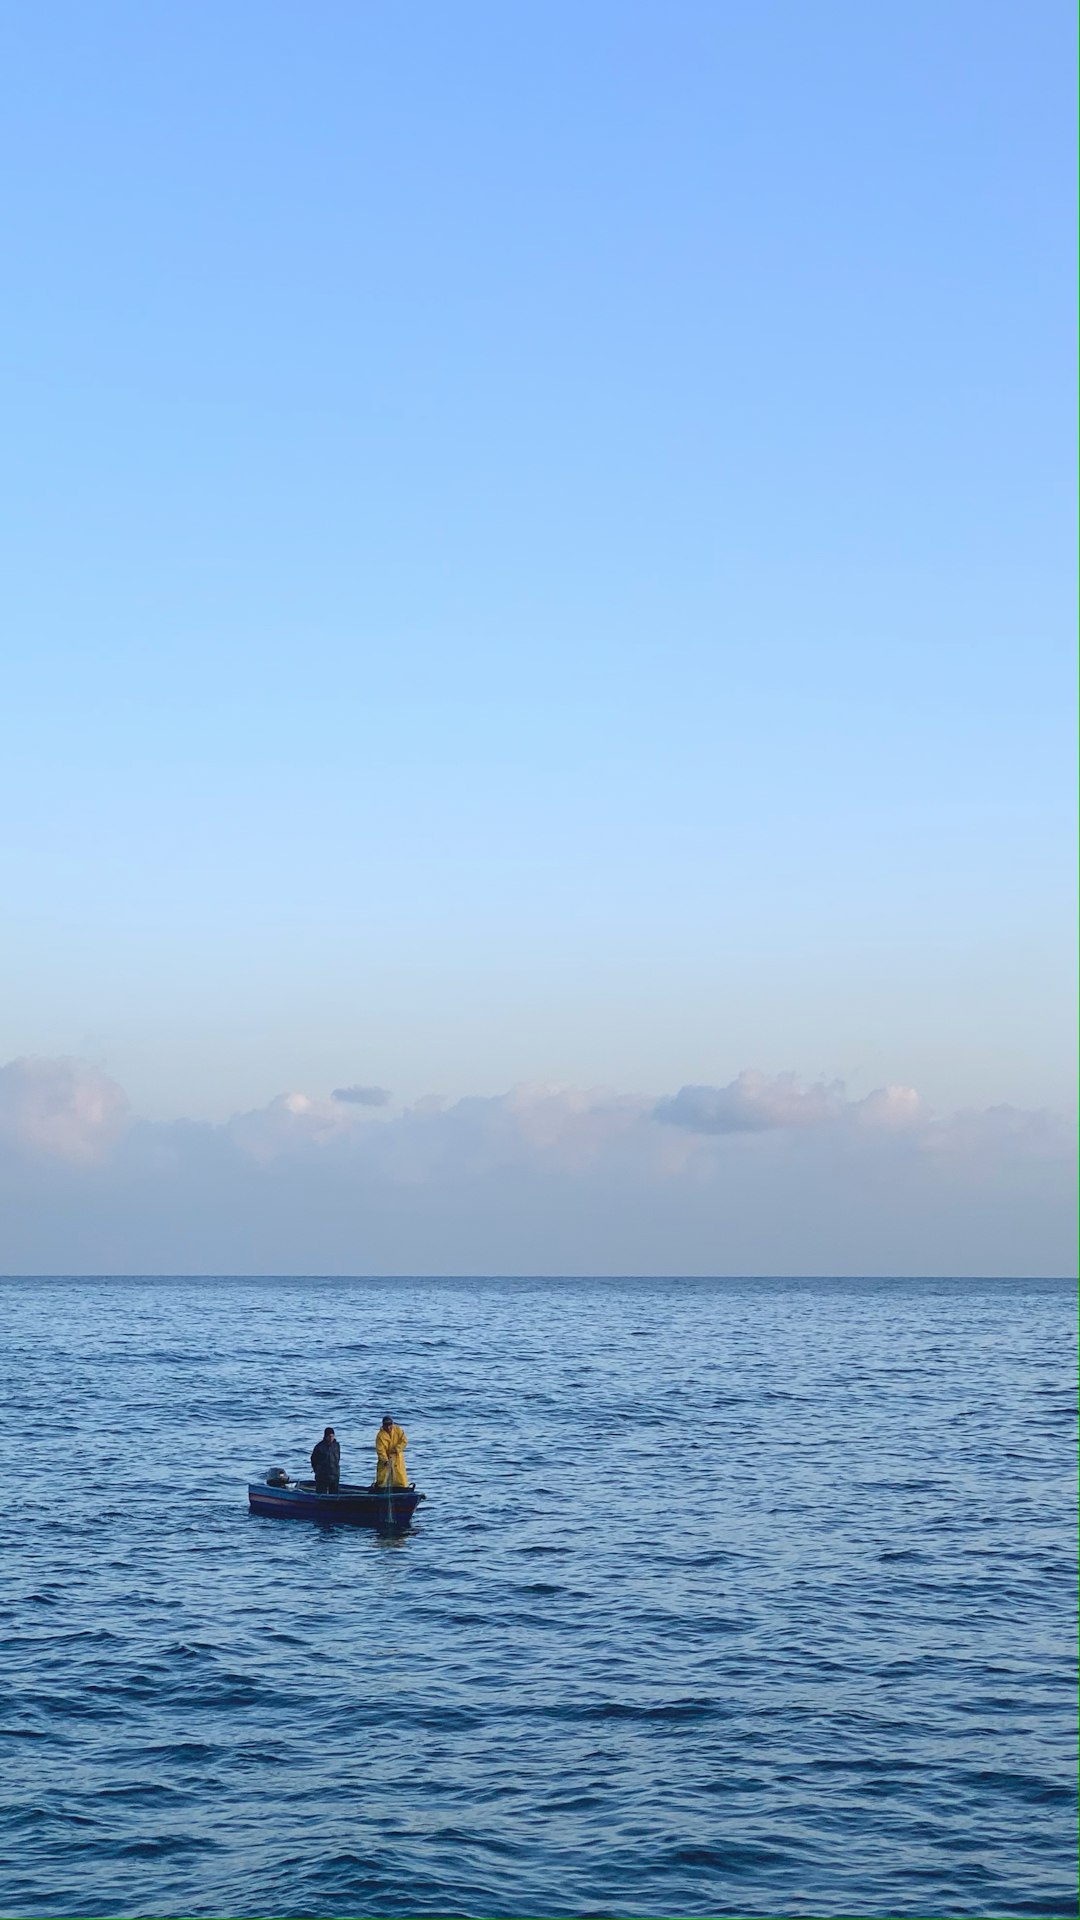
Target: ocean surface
728, 1598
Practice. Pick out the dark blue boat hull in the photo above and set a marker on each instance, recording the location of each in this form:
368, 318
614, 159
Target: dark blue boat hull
351, 1506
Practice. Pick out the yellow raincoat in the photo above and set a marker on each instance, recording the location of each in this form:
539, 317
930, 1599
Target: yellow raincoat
390, 1447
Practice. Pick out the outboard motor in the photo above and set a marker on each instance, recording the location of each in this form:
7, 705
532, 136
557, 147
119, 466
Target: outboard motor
277, 1477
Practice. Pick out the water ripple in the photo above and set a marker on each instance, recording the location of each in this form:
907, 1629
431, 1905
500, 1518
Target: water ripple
735, 1598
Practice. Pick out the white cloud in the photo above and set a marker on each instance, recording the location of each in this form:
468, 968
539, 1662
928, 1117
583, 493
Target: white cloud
752, 1103
65, 1109
756, 1103
896, 1108
290, 1123
1012, 1132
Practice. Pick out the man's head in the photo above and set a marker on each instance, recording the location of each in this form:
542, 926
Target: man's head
328, 1433
388, 1421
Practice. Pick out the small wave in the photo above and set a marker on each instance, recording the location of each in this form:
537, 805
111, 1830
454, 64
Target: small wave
164, 1846
756, 1688
733, 1856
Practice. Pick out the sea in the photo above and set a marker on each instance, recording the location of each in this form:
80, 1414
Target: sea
728, 1597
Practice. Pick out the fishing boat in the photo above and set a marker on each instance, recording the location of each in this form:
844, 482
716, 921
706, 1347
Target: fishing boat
279, 1498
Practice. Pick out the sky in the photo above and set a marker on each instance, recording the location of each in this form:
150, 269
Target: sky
537, 558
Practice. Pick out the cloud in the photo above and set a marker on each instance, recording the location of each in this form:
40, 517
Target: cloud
764, 1175
894, 1108
64, 1109
291, 1123
363, 1096
1010, 1131
751, 1103
755, 1103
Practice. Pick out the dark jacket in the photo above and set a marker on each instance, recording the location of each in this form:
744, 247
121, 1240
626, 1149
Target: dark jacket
326, 1461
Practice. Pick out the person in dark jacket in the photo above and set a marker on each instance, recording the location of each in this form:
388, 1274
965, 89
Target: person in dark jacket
326, 1462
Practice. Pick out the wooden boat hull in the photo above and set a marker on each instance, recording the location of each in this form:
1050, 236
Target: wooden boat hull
349, 1506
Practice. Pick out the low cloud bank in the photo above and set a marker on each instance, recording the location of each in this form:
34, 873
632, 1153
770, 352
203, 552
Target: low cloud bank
765, 1174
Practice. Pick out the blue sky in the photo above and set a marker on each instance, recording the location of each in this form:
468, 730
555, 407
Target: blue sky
537, 545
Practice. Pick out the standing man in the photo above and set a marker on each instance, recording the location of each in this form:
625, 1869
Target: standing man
326, 1462
390, 1445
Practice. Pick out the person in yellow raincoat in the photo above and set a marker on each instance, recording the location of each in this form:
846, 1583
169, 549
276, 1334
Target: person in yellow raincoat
390, 1445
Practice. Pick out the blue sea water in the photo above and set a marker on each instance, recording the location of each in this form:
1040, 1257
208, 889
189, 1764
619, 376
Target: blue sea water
728, 1598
